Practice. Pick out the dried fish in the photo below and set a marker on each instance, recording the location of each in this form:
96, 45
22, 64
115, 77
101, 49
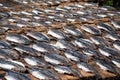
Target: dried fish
8, 53
67, 70
44, 74
43, 47
116, 44
91, 30
71, 30
27, 49
116, 61
75, 55
39, 36
57, 34
56, 59
88, 68
104, 65
91, 52
116, 24
12, 65
16, 76
106, 27
108, 51
62, 44
99, 40
10, 27
34, 61
17, 38
113, 36
84, 43
4, 44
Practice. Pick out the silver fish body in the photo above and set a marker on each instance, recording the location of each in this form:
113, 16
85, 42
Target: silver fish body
106, 66
63, 44
12, 65
17, 38
43, 47
34, 61
71, 30
108, 51
90, 52
116, 44
84, 43
9, 53
99, 41
43, 74
91, 30
16, 76
116, 24
57, 34
56, 59
67, 70
75, 56
106, 27
27, 50
113, 36
88, 68
4, 44
38, 36
116, 61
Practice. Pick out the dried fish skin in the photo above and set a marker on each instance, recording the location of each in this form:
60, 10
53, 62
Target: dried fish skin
116, 24
39, 36
63, 44
91, 30
67, 70
106, 27
4, 44
104, 65
86, 67
56, 59
108, 51
44, 74
99, 40
57, 34
75, 55
71, 30
34, 61
15, 76
12, 65
9, 53
17, 38
43, 47
116, 44
84, 43
116, 61
26, 49
91, 52
112, 36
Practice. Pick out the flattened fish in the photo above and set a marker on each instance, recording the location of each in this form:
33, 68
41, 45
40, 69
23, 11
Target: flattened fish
75, 55
39, 36
57, 34
12, 65
67, 70
116, 44
56, 59
27, 49
16, 76
17, 38
91, 30
106, 27
44, 74
71, 30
